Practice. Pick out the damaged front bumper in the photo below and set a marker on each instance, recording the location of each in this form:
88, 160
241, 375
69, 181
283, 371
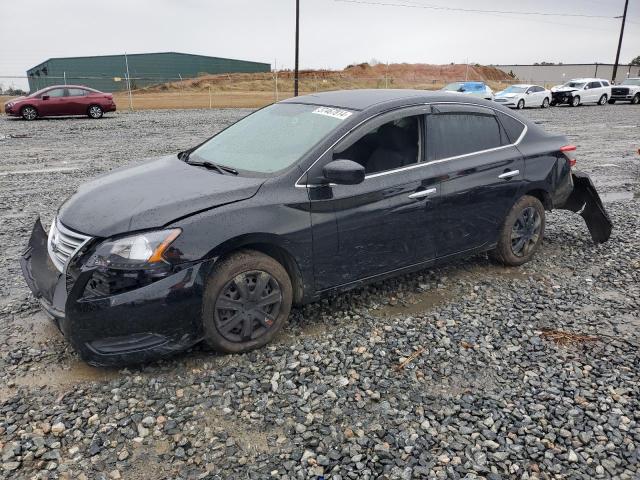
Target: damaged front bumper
138, 325
584, 200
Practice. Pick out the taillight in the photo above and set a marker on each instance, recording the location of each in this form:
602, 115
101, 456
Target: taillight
571, 158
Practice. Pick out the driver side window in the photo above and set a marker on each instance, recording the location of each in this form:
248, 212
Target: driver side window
54, 93
389, 146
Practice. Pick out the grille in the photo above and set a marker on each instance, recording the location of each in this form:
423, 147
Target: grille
620, 91
63, 244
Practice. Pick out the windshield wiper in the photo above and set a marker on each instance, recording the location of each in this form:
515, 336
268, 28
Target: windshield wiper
221, 169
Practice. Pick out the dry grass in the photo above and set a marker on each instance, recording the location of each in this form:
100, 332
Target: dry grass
568, 338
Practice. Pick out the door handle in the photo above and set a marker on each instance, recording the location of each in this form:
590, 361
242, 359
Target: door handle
423, 193
509, 174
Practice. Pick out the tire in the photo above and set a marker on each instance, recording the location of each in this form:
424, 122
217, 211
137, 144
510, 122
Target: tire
95, 112
636, 99
522, 232
612, 101
545, 102
553, 103
245, 325
29, 113
603, 100
520, 104
575, 101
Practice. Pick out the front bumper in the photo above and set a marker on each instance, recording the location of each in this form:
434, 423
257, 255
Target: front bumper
584, 199
561, 97
138, 325
507, 102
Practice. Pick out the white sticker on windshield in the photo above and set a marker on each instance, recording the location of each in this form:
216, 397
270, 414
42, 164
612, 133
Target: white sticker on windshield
333, 112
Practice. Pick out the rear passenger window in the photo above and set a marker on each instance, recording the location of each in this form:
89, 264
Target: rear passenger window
453, 134
512, 127
605, 83
595, 85
76, 92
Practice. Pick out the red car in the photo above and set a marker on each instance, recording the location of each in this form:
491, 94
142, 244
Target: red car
61, 100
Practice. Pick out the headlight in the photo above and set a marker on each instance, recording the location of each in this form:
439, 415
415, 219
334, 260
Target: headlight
10, 104
136, 252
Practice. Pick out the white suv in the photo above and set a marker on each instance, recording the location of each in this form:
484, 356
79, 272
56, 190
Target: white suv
582, 90
627, 91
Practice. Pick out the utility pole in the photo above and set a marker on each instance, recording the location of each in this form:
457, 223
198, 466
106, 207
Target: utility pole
624, 19
126, 62
295, 74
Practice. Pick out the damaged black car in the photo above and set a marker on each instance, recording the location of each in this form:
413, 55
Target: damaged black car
303, 198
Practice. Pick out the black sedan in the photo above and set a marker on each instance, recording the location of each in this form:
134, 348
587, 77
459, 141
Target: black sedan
309, 196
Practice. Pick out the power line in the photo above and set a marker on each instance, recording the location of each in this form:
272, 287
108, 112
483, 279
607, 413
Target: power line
472, 10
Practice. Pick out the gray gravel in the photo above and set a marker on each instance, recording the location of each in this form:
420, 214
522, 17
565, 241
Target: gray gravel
468, 371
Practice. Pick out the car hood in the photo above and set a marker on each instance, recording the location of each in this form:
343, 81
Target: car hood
564, 89
150, 195
13, 100
506, 95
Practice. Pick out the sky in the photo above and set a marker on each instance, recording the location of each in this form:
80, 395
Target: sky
333, 33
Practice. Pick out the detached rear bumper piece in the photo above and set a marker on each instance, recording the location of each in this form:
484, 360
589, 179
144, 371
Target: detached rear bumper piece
138, 325
584, 199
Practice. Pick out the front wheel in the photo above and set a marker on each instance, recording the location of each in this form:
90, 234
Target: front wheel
246, 302
612, 101
575, 101
95, 112
545, 103
520, 104
29, 113
636, 99
522, 232
603, 100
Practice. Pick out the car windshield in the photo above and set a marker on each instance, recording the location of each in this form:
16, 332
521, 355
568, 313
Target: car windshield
454, 87
271, 139
631, 81
574, 84
39, 92
514, 89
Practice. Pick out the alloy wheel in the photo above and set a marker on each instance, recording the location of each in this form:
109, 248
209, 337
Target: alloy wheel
247, 306
525, 232
603, 100
95, 111
545, 103
520, 104
29, 113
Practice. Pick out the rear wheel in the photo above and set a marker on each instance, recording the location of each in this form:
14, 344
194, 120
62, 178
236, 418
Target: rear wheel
603, 100
521, 104
246, 302
545, 102
95, 111
522, 232
636, 99
575, 101
29, 113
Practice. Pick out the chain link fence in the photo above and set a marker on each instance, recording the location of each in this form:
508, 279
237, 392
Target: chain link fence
236, 90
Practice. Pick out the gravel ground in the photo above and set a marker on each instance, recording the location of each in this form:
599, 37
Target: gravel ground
466, 371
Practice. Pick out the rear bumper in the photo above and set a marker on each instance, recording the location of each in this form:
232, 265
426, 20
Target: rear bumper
584, 199
139, 325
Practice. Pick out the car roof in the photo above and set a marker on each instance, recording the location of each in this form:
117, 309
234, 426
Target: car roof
369, 98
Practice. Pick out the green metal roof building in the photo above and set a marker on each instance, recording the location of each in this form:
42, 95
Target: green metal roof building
108, 73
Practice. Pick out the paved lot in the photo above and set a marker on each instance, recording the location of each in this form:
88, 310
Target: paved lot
531, 372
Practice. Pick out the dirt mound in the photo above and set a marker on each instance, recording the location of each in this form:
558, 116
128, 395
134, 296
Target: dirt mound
396, 75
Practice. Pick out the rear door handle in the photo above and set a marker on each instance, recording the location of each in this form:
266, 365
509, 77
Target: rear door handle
423, 193
509, 174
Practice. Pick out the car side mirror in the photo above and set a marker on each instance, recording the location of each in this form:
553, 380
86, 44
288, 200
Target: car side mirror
528, 93
343, 172
45, 97
586, 87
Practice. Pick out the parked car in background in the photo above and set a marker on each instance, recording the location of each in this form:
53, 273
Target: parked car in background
477, 89
61, 100
306, 197
582, 90
627, 91
521, 96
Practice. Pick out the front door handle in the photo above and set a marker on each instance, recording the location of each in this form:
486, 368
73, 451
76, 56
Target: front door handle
509, 174
423, 193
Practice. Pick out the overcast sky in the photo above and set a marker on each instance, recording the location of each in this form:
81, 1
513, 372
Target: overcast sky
333, 34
